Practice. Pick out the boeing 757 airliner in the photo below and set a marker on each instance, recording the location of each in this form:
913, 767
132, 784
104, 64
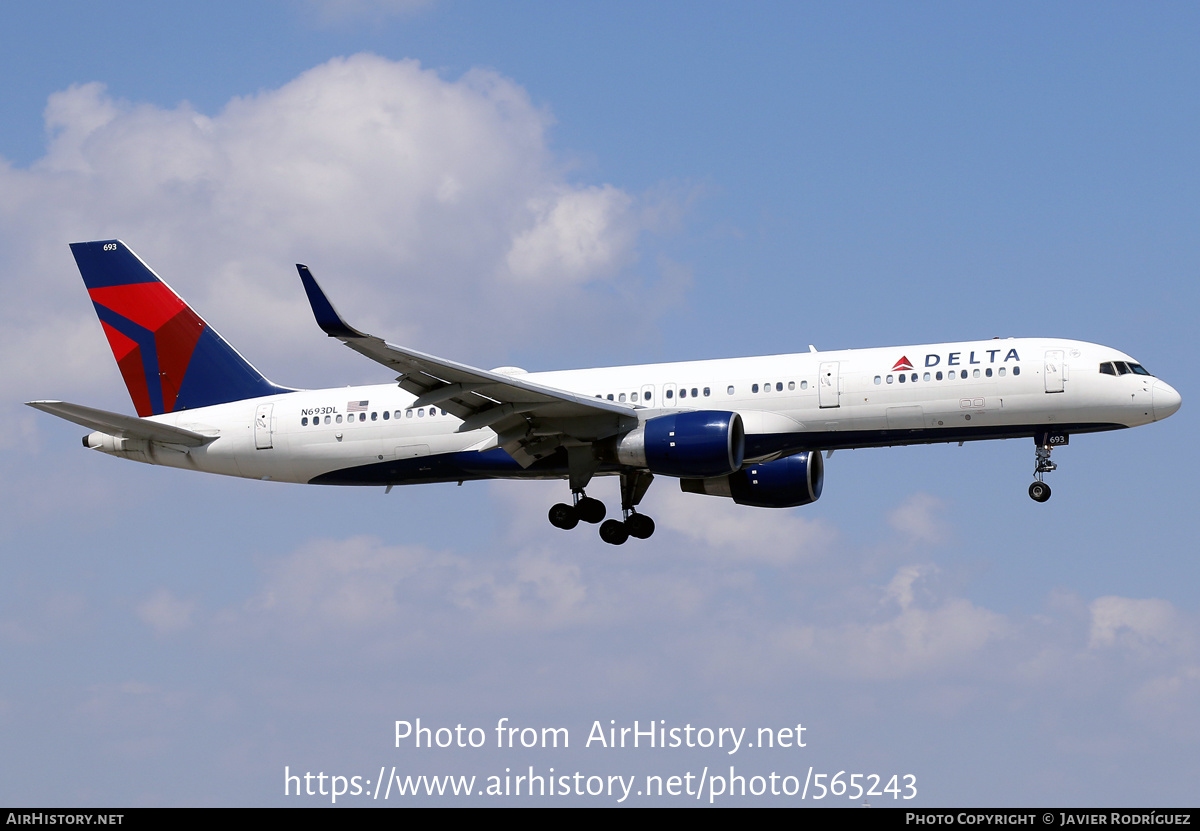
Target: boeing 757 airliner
747, 429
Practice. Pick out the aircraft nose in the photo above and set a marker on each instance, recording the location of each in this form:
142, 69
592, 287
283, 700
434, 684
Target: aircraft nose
1166, 400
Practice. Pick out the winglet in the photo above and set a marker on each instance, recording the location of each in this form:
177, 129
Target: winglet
327, 317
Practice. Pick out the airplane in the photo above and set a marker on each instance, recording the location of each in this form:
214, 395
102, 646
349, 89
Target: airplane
747, 429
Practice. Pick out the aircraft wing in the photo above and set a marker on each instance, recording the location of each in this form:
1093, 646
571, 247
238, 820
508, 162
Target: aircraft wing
531, 420
122, 426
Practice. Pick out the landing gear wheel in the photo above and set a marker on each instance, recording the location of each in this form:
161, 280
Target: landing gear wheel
564, 516
639, 526
614, 532
590, 510
1039, 491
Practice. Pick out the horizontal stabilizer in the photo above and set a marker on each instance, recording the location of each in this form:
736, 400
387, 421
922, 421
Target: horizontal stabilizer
121, 426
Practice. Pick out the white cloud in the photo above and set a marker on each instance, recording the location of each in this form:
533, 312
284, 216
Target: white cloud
433, 210
165, 613
576, 235
919, 520
938, 635
900, 588
1137, 625
738, 533
355, 582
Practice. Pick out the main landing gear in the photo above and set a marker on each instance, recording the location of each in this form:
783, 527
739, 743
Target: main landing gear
1039, 491
614, 531
566, 516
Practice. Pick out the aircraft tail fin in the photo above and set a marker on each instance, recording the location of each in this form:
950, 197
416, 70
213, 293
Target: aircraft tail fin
169, 357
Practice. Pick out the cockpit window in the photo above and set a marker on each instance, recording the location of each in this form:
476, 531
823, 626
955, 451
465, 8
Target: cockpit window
1123, 368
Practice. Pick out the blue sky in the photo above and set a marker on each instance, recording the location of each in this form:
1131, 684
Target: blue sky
558, 185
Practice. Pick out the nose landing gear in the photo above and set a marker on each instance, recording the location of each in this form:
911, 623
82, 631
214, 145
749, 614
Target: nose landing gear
1039, 491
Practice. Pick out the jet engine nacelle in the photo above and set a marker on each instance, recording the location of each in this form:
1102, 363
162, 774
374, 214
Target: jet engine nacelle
783, 483
701, 443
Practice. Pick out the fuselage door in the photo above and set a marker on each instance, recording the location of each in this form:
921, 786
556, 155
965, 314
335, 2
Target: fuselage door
648, 397
262, 426
1054, 370
827, 386
668, 396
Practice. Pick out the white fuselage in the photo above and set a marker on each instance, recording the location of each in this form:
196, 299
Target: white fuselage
788, 404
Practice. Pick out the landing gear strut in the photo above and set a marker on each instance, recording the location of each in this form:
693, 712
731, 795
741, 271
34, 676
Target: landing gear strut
1039, 491
634, 484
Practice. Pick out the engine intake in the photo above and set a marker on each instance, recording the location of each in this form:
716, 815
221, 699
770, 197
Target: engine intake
702, 443
784, 483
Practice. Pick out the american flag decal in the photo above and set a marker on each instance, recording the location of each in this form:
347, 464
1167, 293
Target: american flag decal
356, 406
